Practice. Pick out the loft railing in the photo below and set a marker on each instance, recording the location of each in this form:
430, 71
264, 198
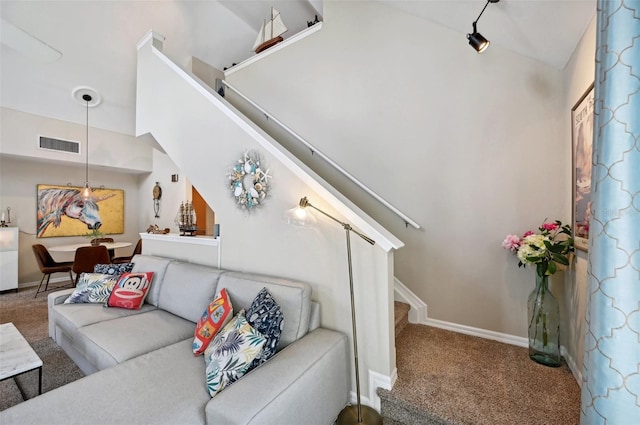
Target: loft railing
314, 151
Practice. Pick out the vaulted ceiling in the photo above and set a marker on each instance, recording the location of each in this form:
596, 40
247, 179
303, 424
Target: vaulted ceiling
97, 41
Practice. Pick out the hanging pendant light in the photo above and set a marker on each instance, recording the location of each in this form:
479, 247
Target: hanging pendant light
89, 98
86, 191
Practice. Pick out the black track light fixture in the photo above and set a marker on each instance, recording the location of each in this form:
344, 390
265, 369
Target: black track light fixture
476, 40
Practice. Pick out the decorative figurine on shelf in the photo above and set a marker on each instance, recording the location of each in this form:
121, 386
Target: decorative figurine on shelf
3, 222
156, 230
186, 219
312, 23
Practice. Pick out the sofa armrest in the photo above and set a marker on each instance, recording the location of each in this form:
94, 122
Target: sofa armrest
305, 383
54, 298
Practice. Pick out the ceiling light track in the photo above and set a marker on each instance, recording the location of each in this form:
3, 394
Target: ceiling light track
476, 40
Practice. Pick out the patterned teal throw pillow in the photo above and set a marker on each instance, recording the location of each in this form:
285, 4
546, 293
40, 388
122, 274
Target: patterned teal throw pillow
93, 288
265, 315
113, 269
231, 352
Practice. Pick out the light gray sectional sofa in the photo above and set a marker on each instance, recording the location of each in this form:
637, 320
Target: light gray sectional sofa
141, 368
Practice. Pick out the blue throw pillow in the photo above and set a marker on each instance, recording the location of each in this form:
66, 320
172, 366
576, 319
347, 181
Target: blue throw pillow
113, 269
265, 315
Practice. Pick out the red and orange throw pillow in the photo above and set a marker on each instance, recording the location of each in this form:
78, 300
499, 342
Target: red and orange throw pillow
214, 318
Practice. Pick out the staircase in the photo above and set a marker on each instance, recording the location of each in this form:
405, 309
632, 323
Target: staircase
401, 316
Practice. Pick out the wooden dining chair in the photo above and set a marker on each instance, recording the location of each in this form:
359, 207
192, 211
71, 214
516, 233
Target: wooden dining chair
87, 257
97, 241
136, 250
48, 265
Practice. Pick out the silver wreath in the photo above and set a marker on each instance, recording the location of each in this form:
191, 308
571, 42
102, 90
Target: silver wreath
249, 182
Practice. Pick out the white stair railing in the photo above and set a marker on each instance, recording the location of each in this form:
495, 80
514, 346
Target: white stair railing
315, 151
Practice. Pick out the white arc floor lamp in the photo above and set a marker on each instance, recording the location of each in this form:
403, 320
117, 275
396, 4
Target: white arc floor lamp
357, 414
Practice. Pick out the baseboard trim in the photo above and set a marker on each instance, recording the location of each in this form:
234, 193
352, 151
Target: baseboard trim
418, 310
575, 371
483, 333
383, 381
37, 282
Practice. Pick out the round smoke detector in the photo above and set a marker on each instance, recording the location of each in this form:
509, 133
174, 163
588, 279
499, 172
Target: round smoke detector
79, 94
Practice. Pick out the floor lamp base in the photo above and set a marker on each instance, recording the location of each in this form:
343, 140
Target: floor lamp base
349, 415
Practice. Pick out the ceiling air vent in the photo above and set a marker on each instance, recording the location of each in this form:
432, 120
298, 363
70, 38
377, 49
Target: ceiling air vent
59, 145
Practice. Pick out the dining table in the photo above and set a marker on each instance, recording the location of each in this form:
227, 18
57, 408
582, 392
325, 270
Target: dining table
74, 247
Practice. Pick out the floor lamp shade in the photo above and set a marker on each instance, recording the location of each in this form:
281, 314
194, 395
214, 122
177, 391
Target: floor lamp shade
357, 414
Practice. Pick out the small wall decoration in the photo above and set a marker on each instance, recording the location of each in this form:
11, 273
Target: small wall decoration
63, 212
249, 182
582, 147
157, 194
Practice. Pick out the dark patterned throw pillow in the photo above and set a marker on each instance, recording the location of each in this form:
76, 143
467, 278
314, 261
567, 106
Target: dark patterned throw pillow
265, 315
113, 269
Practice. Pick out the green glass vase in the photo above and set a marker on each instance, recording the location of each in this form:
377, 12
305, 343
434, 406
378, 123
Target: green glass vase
544, 324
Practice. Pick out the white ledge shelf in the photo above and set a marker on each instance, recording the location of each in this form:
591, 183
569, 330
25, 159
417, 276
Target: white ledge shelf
175, 237
291, 40
193, 249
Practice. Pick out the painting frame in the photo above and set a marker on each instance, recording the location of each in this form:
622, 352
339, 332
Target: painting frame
62, 212
582, 135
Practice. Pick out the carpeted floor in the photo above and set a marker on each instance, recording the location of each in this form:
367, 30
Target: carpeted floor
450, 378
29, 315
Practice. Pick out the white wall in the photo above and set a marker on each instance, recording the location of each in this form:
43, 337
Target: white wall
20, 133
578, 75
173, 193
467, 145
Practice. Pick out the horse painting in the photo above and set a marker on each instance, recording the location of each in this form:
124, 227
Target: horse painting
55, 203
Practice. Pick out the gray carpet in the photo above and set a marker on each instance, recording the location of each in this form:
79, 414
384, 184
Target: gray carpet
447, 378
29, 315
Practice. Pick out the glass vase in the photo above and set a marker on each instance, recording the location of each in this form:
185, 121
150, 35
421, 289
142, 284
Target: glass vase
544, 324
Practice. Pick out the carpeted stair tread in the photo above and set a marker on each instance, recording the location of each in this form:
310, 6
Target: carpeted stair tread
401, 316
449, 378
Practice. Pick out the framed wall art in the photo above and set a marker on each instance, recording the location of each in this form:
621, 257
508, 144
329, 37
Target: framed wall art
582, 147
61, 211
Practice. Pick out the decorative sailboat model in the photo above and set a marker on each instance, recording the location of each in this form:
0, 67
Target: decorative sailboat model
186, 219
270, 33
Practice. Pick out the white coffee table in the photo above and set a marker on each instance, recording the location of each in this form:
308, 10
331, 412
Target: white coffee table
16, 355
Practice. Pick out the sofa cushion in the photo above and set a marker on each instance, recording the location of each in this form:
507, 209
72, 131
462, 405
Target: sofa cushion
187, 289
231, 352
92, 288
293, 297
106, 344
70, 317
157, 265
135, 392
215, 317
265, 315
131, 290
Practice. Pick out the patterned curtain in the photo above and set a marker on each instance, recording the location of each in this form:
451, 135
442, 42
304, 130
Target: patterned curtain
611, 378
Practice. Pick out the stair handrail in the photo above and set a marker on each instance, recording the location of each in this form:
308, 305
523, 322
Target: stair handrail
316, 151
